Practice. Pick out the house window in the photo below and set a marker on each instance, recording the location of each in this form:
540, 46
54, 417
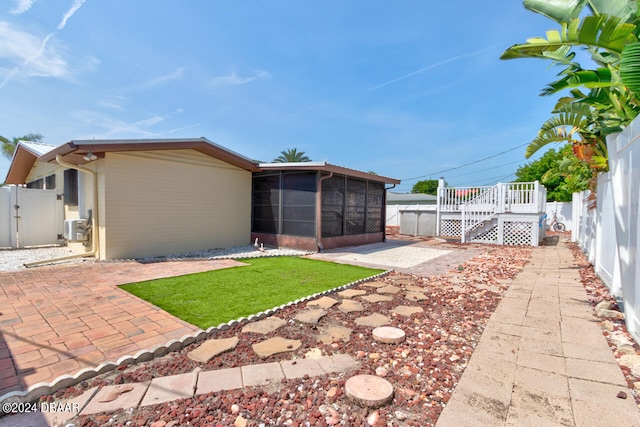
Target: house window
50, 182
38, 183
71, 187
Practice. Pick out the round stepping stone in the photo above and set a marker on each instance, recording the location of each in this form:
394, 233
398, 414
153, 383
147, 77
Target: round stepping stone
324, 302
311, 316
407, 310
350, 293
369, 391
388, 335
374, 320
377, 298
349, 305
390, 289
264, 326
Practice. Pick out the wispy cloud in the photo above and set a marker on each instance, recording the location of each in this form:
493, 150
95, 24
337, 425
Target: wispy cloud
111, 126
77, 4
117, 127
176, 75
432, 66
30, 55
304, 110
114, 103
180, 129
234, 80
21, 6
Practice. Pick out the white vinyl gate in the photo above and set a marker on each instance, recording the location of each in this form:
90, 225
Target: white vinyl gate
29, 217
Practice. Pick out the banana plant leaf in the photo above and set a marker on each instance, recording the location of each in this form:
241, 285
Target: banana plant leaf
601, 77
626, 10
630, 67
576, 120
603, 31
559, 10
564, 10
549, 137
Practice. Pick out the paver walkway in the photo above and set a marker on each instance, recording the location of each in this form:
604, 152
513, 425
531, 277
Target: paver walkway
60, 319
542, 359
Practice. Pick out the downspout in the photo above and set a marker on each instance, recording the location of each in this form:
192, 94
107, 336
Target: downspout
94, 236
319, 211
384, 213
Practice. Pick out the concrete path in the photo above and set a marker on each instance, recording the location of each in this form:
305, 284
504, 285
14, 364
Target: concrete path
542, 359
419, 257
61, 319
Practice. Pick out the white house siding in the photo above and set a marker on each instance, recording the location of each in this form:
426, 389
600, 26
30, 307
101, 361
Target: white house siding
171, 201
42, 170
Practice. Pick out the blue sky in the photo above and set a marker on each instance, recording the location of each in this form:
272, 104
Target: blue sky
404, 89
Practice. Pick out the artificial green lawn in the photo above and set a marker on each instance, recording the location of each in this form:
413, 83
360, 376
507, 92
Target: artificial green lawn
213, 297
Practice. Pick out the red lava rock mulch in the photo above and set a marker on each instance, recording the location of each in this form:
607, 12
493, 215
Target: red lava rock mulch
423, 370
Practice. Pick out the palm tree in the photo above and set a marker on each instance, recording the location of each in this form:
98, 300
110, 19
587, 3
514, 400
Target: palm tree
291, 155
9, 145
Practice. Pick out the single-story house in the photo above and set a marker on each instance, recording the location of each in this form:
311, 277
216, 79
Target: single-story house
151, 197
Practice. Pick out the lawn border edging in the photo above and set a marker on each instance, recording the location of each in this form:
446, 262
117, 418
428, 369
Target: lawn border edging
67, 380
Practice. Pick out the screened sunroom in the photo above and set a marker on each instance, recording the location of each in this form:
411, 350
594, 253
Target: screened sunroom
315, 206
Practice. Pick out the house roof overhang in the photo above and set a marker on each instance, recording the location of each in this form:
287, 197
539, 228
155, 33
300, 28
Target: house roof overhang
74, 152
24, 157
326, 167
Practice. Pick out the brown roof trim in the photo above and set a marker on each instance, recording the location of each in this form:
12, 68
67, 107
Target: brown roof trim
202, 145
20, 166
327, 167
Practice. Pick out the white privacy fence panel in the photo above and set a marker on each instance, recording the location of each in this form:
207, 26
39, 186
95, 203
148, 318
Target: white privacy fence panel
29, 217
606, 251
564, 210
624, 155
41, 217
5, 217
610, 232
394, 212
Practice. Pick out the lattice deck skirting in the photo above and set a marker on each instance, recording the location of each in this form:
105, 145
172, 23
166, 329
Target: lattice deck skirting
506, 230
450, 227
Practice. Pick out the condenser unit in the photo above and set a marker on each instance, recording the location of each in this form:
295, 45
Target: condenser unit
74, 230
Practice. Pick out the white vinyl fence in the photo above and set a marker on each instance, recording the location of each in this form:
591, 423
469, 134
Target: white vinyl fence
29, 217
564, 210
609, 231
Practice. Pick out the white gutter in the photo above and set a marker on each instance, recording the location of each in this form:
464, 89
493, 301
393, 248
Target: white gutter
94, 226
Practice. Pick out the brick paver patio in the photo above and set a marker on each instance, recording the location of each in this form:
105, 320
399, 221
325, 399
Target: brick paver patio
60, 319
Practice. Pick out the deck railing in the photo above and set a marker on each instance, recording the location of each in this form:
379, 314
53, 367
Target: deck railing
478, 205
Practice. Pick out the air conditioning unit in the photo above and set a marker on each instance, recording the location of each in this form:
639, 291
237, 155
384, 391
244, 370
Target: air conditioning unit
74, 230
